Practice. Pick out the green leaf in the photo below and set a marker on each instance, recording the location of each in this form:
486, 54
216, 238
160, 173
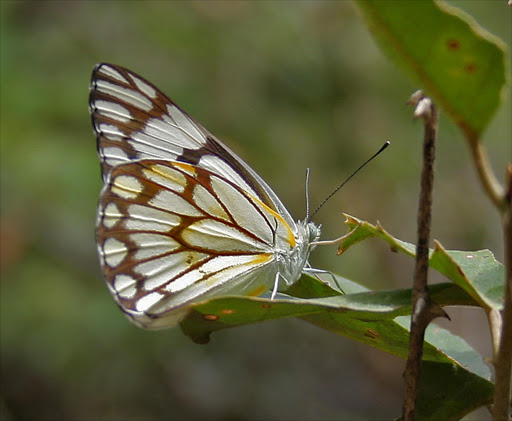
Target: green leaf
442, 49
454, 373
371, 318
338, 312
361, 230
449, 392
477, 272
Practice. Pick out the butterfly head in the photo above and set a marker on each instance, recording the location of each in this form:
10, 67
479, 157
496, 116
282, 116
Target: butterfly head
313, 233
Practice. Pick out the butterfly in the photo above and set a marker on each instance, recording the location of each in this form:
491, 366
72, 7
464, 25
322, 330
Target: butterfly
181, 218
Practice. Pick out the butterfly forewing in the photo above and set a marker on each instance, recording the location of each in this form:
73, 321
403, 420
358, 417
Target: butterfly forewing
181, 218
135, 120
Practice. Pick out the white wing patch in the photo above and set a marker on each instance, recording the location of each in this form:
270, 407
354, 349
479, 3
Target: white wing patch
125, 286
167, 268
184, 123
151, 146
114, 156
208, 203
128, 96
145, 303
144, 218
114, 111
146, 88
114, 252
111, 72
111, 215
126, 186
180, 205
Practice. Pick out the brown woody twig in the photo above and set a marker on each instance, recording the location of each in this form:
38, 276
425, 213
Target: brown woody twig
424, 309
502, 355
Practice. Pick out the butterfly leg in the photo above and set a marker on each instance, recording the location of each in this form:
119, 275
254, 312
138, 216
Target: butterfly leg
276, 285
316, 272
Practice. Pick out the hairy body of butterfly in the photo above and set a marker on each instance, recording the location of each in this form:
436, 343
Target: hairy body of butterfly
181, 218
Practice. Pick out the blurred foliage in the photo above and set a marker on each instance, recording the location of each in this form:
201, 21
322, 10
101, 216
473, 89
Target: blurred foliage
447, 53
288, 85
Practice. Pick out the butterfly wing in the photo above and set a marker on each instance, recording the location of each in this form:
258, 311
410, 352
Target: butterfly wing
181, 217
215, 239
134, 120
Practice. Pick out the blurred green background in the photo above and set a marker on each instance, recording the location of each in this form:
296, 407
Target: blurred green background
288, 85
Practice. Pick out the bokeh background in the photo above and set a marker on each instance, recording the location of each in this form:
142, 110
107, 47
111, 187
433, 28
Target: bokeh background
288, 85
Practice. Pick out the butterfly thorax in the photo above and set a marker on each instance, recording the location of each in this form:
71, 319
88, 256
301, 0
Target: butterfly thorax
291, 263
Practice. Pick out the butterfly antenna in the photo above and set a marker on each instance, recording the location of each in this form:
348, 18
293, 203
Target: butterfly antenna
307, 194
348, 178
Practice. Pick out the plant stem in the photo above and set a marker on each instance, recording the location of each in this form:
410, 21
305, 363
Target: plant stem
503, 355
490, 183
424, 309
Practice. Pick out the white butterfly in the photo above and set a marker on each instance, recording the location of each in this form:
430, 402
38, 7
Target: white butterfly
181, 218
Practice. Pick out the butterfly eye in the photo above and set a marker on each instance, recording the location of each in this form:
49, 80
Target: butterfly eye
313, 232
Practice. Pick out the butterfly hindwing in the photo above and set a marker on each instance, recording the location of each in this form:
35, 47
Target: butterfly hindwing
154, 255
